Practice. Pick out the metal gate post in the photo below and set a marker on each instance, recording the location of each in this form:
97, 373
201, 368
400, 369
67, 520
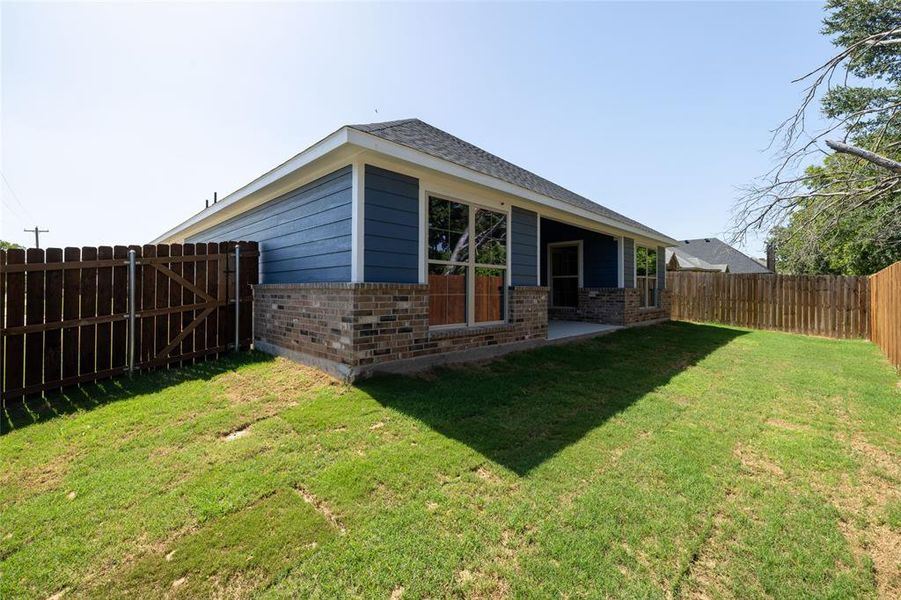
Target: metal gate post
237, 297
131, 311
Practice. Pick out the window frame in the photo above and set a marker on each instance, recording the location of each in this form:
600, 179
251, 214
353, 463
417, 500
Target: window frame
550, 276
471, 265
642, 280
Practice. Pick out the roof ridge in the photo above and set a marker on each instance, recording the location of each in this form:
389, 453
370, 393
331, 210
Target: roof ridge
371, 127
425, 137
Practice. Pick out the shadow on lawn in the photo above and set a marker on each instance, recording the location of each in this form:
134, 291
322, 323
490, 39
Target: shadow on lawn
18, 413
520, 411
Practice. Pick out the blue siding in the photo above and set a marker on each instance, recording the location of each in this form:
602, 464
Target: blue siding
661, 267
523, 247
391, 227
599, 252
628, 262
304, 236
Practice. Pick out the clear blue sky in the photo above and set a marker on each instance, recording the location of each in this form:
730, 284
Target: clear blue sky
118, 121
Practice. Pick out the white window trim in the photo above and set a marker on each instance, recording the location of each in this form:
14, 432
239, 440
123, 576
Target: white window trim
424, 195
656, 276
550, 279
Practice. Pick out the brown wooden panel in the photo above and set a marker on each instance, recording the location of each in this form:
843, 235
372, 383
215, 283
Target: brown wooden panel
188, 297
119, 335
884, 312
2, 318
53, 313
175, 293
14, 369
814, 305
215, 290
71, 297
200, 268
34, 314
148, 300
139, 298
162, 301
227, 285
104, 308
87, 352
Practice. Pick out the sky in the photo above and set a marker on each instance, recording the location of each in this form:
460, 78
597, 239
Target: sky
118, 121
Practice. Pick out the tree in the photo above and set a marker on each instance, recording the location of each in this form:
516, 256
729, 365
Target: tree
844, 214
9, 246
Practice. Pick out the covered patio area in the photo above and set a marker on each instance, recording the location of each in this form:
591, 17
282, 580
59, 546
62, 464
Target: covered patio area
558, 330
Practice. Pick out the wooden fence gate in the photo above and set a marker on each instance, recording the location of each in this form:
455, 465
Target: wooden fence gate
84, 314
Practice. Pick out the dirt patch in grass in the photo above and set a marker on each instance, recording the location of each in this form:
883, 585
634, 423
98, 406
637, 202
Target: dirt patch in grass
229, 556
279, 387
884, 547
786, 425
39, 479
877, 457
238, 433
322, 508
757, 464
862, 503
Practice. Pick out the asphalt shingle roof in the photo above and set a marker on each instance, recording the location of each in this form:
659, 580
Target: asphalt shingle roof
717, 252
421, 136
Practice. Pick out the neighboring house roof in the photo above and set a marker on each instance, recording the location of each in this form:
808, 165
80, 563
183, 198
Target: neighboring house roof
676, 260
414, 141
421, 136
717, 252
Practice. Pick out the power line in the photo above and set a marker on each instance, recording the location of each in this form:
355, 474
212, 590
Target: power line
15, 195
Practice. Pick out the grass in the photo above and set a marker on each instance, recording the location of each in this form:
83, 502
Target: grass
675, 460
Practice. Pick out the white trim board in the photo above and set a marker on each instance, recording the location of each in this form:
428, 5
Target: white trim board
358, 221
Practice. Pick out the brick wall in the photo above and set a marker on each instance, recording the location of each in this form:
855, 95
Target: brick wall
634, 314
613, 306
312, 319
365, 324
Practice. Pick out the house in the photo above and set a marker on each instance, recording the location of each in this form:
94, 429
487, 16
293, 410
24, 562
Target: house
391, 245
676, 260
710, 254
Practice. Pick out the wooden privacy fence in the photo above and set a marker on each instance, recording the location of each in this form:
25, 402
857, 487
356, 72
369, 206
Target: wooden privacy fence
885, 311
84, 314
826, 305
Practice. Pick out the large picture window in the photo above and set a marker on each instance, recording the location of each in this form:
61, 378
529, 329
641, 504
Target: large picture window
646, 275
467, 263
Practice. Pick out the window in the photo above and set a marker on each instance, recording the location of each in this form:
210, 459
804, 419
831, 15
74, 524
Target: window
646, 275
467, 263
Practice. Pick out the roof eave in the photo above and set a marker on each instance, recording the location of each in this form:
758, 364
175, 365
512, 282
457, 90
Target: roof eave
348, 135
318, 150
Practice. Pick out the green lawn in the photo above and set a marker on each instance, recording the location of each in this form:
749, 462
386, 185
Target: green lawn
674, 460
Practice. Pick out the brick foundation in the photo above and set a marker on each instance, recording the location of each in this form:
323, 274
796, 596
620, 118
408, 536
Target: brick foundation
350, 328
612, 306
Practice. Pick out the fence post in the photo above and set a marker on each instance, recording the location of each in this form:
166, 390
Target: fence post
237, 296
131, 311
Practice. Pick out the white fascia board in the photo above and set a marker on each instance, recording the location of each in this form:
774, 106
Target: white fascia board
417, 157
316, 151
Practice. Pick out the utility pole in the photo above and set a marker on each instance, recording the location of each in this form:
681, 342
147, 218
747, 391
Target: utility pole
37, 235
